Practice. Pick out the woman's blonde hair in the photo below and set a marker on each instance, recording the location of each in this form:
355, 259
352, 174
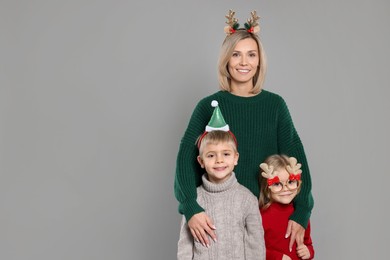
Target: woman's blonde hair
226, 52
278, 162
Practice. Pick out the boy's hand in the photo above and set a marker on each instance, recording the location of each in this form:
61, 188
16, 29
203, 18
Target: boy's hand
200, 225
303, 252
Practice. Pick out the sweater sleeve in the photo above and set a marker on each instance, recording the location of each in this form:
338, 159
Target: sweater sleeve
308, 242
254, 232
188, 171
290, 144
185, 244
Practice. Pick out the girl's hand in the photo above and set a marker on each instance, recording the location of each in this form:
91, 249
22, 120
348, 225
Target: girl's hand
200, 226
297, 233
303, 252
286, 257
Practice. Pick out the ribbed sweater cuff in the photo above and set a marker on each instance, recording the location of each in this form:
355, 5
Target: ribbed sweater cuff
190, 208
301, 216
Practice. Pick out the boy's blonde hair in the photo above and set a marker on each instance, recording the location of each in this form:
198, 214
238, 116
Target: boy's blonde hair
215, 137
226, 52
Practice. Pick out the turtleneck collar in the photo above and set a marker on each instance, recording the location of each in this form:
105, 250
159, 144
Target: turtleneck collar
220, 187
282, 207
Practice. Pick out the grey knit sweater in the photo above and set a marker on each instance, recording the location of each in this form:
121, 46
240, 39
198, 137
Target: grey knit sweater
235, 213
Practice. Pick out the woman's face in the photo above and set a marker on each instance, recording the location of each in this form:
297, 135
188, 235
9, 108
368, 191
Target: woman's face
244, 62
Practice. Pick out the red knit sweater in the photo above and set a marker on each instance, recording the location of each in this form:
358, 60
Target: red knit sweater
275, 221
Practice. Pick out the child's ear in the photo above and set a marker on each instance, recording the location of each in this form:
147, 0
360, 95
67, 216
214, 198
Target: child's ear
236, 159
200, 161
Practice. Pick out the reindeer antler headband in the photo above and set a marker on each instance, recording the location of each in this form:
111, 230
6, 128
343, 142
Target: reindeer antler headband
251, 25
294, 169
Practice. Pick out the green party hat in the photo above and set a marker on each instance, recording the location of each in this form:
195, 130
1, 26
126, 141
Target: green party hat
216, 122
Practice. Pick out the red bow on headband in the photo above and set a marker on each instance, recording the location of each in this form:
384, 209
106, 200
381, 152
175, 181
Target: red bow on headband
295, 177
273, 180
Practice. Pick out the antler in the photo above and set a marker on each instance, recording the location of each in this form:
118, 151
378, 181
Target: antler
294, 167
252, 25
253, 20
232, 23
230, 18
268, 171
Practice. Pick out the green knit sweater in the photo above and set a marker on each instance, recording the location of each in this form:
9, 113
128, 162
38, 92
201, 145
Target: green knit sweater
263, 126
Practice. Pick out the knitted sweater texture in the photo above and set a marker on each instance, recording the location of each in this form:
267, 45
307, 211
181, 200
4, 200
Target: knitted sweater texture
275, 221
263, 126
235, 212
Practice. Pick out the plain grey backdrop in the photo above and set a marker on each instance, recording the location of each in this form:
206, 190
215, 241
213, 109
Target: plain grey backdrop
95, 96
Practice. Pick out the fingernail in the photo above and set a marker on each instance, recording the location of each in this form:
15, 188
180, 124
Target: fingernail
215, 240
290, 249
214, 227
286, 236
203, 244
209, 246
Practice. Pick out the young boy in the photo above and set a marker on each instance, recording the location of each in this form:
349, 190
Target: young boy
233, 208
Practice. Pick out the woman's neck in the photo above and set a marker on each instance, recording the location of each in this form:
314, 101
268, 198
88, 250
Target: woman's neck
242, 90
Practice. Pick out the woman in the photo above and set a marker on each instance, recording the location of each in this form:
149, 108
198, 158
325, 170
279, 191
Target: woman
261, 122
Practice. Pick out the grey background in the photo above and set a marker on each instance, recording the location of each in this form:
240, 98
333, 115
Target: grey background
95, 95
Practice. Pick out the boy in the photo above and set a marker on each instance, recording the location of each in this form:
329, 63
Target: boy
233, 208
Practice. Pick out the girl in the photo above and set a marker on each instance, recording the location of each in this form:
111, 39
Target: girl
280, 183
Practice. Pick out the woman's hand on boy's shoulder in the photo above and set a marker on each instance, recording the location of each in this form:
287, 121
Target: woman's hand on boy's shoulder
201, 226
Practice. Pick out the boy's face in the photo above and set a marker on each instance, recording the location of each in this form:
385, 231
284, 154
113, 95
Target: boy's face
218, 160
288, 189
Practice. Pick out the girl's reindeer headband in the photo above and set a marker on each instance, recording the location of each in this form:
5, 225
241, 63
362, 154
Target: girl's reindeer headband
251, 25
294, 169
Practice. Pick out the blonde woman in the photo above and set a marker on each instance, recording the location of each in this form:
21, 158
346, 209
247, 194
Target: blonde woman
261, 122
